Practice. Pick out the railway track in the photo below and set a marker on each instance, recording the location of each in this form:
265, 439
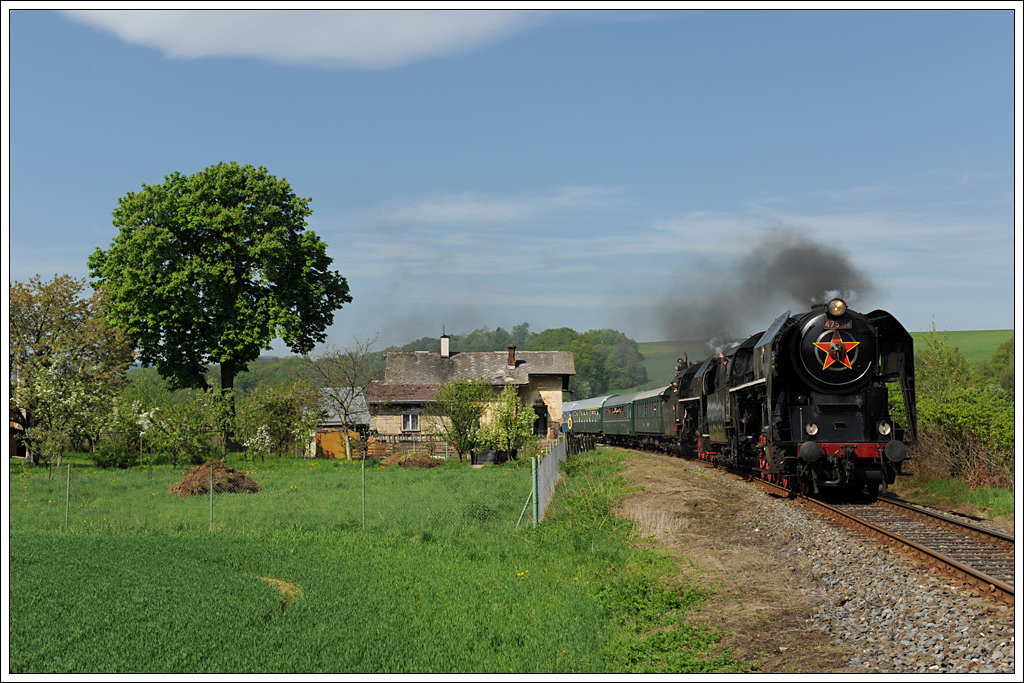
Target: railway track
980, 557
977, 556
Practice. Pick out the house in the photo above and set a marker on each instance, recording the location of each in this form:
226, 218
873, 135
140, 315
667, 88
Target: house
411, 379
330, 440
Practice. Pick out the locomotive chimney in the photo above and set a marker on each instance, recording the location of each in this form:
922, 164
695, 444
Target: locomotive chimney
511, 356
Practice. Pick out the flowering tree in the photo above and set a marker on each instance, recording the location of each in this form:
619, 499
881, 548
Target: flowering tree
65, 361
259, 444
61, 408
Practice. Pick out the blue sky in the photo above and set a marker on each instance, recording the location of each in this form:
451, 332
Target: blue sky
607, 169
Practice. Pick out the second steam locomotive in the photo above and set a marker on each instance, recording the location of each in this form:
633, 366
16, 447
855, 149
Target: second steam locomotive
820, 400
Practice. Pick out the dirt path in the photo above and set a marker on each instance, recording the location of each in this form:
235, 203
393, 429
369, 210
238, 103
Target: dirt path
705, 519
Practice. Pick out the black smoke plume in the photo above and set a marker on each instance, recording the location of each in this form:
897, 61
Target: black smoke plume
726, 300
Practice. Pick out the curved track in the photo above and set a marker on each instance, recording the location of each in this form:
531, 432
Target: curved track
978, 556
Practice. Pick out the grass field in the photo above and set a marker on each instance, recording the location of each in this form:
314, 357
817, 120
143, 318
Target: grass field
297, 494
660, 357
976, 345
283, 584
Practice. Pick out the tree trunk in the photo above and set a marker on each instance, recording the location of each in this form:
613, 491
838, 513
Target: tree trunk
227, 384
26, 422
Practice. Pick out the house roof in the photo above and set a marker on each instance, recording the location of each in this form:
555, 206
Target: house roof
424, 367
379, 392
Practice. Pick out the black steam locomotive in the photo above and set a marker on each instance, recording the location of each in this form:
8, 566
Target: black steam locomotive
820, 400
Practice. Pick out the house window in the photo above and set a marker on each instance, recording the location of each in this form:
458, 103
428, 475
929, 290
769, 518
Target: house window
411, 421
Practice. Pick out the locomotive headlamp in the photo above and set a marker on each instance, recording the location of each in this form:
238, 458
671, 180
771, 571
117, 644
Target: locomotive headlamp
884, 428
812, 428
836, 308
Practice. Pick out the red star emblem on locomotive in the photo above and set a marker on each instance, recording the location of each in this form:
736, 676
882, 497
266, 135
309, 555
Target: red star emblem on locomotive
836, 350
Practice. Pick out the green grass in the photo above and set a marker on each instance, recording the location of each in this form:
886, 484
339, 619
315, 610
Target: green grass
984, 502
370, 603
296, 493
651, 632
443, 584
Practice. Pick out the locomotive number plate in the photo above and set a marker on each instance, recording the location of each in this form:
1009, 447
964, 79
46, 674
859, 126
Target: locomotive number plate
838, 324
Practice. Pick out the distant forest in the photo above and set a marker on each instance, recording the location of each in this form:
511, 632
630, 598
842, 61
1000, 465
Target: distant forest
265, 370
606, 360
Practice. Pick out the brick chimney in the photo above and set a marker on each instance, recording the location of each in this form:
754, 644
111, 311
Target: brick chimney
445, 353
511, 356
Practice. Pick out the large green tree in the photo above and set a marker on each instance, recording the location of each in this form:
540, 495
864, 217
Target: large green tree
212, 267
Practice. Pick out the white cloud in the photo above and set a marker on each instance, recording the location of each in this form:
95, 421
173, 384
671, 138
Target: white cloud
586, 251
479, 211
863, 194
469, 208
345, 39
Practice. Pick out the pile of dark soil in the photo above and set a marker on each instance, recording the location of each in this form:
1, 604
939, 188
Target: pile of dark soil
196, 480
410, 461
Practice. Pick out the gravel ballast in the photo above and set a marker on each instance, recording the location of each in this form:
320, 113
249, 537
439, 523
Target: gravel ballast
892, 613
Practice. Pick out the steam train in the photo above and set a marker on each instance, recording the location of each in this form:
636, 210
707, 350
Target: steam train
819, 401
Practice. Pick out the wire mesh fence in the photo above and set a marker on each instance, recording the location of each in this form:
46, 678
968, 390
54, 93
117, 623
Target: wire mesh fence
407, 490
547, 470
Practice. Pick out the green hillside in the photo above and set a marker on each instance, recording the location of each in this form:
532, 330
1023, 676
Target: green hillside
660, 357
976, 345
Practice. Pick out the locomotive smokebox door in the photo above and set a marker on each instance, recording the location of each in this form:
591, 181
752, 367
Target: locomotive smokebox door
837, 353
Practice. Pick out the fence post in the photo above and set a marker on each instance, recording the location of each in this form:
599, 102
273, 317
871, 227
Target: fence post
211, 496
536, 497
364, 487
67, 500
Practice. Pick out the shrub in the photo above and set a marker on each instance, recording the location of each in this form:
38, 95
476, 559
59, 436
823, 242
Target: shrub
201, 450
968, 435
965, 419
120, 451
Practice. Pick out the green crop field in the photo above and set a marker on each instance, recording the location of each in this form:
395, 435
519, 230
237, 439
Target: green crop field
439, 580
976, 345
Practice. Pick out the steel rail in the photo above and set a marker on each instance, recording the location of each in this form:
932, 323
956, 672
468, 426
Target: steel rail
970, 575
980, 532
994, 587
